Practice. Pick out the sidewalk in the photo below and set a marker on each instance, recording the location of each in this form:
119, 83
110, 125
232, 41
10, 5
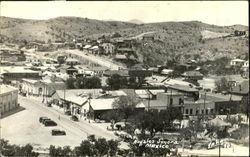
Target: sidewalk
235, 150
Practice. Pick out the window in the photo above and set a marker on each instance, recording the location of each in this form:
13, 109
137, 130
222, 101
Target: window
191, 111
171, 101
212, 111
197, 111
206, 111
186, 111
202, 111
180, 101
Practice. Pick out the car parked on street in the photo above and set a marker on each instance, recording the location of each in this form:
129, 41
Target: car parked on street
50, 123
42, 119
68, 112
74, 118
55, 132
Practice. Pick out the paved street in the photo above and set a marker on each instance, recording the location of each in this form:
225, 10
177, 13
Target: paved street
96, 59
24, 127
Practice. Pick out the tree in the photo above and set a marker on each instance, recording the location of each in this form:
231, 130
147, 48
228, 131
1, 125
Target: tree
244, 105
116, 35
114, 81
83, 83
102, 147
61, 59
92, 82
125, 105
60, 151
113, 147
222, 85
150, 121
70, 83
13, 150
112, 115
85, 149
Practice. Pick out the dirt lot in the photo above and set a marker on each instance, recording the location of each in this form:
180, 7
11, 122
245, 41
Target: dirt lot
23, 127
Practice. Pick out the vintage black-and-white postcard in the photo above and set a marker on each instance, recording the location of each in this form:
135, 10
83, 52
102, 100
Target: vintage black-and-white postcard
124, 78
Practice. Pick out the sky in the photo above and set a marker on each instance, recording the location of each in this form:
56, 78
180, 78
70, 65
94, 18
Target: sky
220, 13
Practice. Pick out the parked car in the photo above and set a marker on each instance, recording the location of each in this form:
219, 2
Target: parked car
42, 119
23, 94
55, 132
48, 104
224, 92
74, 118
68, 112
50, 123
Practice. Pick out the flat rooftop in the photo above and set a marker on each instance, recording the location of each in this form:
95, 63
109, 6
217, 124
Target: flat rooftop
6, 89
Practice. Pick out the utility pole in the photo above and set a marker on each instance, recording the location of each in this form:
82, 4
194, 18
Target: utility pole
148, 99
204, 107
219, 145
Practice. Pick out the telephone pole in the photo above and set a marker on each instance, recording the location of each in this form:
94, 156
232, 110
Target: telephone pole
204, 106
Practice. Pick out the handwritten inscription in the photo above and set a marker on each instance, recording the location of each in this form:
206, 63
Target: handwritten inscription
151, 143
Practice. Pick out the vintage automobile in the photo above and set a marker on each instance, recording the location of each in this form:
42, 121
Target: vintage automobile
49, 123
55, 132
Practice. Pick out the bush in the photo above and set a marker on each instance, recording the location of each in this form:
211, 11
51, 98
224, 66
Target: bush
14, 150
60, 151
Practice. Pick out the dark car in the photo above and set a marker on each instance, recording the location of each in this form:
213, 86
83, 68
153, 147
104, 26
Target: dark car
23, 94
55, 132
67, 112
50, 123
42, 119
224, 92
48, 104
74, 118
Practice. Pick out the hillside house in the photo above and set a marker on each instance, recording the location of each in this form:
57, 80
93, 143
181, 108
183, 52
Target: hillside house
86, 47
167, 72
12, 55
120, 57
108, 48
192, 75
241, 88
245, 69
94, 49
71, 61
237, 62
66, 69
246, 64
239, 33
148, 37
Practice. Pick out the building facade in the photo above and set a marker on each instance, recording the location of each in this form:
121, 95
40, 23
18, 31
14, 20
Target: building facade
8, 99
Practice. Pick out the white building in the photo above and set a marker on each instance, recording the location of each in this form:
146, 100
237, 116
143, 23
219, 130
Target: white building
8, 98
41, 87
235, 62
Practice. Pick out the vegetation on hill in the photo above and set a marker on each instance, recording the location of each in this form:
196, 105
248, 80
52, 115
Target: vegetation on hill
173, 41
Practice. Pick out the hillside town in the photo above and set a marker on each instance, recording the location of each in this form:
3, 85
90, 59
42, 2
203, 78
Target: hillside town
80, 83
102, 96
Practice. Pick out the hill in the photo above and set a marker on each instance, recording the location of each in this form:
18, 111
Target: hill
57, 28
136, 21
173, 41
